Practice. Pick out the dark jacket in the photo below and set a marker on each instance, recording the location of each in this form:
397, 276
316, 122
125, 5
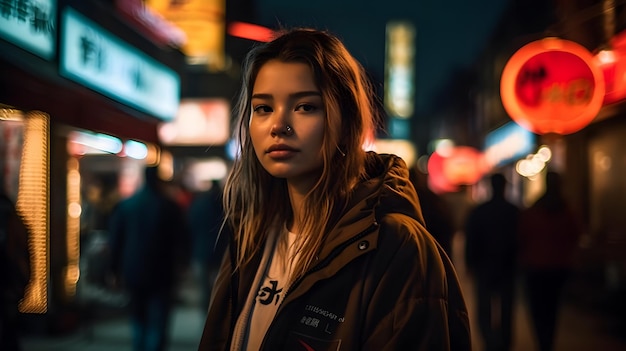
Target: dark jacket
149, 241
491, 240
380, 283
205, 215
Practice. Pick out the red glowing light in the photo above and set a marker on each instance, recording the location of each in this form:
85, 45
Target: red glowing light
612, 61
250, 31
464, 166
552, 86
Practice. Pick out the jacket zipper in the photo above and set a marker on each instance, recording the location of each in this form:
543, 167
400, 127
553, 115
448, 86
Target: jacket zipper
318, 267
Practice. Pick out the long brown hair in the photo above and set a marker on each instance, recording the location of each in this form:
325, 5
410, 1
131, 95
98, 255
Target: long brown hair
256, 202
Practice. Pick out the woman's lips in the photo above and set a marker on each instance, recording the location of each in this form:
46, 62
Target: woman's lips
281, 151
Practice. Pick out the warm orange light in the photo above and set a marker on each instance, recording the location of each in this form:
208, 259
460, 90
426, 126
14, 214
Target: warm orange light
552, 86
202, 21
33, 205
72, 239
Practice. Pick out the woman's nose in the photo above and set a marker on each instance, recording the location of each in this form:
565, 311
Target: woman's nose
281, 125
281, 129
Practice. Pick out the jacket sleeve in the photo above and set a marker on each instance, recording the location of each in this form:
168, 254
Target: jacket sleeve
417, 304
217, 326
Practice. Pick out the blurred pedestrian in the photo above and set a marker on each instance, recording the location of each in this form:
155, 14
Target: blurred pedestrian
328, 249
490, 253
149, 243
14, 270
549, 233
206, 215
437, 214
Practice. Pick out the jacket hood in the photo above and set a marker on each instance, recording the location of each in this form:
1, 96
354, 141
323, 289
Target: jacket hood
385, 189
397, 195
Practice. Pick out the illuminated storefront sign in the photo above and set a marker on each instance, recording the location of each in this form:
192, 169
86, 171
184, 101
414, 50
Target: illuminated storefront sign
24, 163
30, 25
552, 86
97, 59
198, 122
399, 69
508, 143
400, 147
203, 24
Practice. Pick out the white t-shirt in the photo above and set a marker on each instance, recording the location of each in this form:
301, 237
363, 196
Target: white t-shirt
272, 283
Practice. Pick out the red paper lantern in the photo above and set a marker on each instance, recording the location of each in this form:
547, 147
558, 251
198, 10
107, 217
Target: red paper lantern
612, 62
552, 86
463, 166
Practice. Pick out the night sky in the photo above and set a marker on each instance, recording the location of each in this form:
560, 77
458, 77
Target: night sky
450, 34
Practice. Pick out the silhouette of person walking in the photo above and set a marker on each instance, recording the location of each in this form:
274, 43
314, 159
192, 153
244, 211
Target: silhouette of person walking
149, 239
491, 229
14, 270
206, 214
548, 237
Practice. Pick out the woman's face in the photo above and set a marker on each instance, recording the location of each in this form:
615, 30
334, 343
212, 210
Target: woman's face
285, 94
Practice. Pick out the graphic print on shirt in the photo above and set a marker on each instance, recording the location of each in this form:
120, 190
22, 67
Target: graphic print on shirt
269, 293
272, 287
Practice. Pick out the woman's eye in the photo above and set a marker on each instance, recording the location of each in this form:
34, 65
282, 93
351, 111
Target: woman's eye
262, 109
305, 108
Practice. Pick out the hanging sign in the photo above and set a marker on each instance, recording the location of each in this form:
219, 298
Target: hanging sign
30, 25
552, 86
506, 144
94, 57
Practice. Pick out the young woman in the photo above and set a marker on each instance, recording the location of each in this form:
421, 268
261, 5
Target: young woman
328, 249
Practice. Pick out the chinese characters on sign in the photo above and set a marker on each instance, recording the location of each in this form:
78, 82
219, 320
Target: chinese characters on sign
30, 25
99, 60
552, 86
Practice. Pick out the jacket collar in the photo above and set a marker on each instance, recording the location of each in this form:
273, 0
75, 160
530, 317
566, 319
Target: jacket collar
385, 189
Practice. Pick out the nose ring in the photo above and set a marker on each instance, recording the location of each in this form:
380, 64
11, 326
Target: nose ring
288, 130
